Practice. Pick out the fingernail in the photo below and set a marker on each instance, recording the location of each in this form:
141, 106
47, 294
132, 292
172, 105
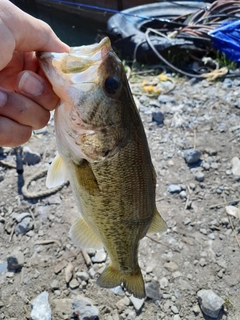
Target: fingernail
30, 84
3, 98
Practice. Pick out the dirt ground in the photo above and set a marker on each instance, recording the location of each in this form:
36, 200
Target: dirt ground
201, 248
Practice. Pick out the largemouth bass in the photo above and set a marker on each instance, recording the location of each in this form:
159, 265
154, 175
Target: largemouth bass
104, 153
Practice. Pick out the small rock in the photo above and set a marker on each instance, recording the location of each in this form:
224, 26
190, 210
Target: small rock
174, 188
69, 272
149, 269
22, 216
63, 306
115, 315
233, 211
29, 157
121, 304
166, 99
55, 284
58, 267
152, 290
99, 257
41, 308
117, 290
202, 262
176, 317
85, 308
196, 310
199, 176
158, 117
73, 284
84, 276
210, 303
206, 166
235, 166
183, 194
176, 274
174, 309
186, 221
171, 266
211, 236
137, 303
15, 261
163, 282
214, 165
222, 127
24, 226
203, 231
191, 155
92, 272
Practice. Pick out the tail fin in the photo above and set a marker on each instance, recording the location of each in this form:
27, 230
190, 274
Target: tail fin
133, 283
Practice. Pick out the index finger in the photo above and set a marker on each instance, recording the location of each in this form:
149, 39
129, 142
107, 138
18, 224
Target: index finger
20, 31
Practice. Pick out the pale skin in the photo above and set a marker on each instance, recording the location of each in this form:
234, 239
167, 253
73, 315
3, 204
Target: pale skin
26, 96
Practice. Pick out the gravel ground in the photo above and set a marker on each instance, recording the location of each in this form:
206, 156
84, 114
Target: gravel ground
191, 271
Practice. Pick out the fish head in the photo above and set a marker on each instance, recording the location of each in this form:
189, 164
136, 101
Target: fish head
94, 97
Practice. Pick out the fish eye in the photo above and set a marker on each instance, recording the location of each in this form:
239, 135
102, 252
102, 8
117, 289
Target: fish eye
111, 85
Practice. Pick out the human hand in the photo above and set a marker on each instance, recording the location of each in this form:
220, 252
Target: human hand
26, 96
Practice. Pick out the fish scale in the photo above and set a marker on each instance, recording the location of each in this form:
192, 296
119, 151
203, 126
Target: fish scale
104, 153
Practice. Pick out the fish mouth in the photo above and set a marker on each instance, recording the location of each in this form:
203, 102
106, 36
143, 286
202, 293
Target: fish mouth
78, 59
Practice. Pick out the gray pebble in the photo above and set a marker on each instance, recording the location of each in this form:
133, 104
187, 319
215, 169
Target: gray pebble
196, 309
183, 194
152, 290
222, 127
174, 309
29, 157
55, 284
158, 117
85, 307
73, 284
174, 188
211, 236
84, 276
163, 282
22, 216
199, 176
202, 262
15, 261
206, 166
210, 303
166, 99
24, 226
191, 155
186, 221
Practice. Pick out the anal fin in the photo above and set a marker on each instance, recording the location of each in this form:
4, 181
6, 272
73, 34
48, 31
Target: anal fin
158, 224
83, 236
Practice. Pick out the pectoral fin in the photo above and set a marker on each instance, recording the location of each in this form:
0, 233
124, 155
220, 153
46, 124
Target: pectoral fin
158, 224
83, 236
57, 173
